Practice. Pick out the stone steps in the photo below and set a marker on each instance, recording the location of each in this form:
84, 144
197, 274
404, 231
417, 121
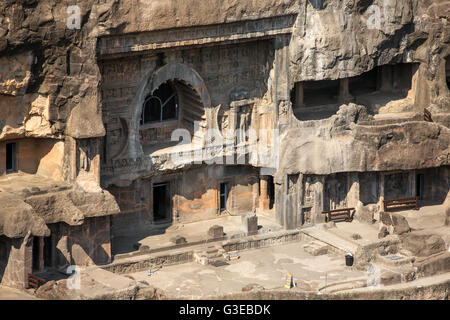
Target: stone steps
210, 255
188, 254
316, 248
335, 242
345, 285
395, 260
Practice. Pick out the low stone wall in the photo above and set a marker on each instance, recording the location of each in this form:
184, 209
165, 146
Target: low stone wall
434, 265
368, 253
262, 241
438, 291
331, 249
248, 243
143, 264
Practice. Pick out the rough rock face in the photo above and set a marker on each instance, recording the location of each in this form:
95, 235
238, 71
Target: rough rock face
55, 67
395, 223
366, 214
28, 204
383, 232
367, 254
17, 218
347, 146
50, 81
447, 220
419, 26
43, 61
423, 245
434, 265
317, 52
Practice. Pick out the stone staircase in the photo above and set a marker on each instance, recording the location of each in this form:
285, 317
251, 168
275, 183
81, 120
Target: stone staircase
335, 242
210, 255
343, 285
316, 248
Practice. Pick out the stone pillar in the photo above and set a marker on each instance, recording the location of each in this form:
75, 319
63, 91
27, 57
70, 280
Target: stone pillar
232, 123
63, 246
280, 199
255, 192
41, 254
299, 97
344, 92
412, 183
264, 200
319, 201
353, 190
381, 186
250, 223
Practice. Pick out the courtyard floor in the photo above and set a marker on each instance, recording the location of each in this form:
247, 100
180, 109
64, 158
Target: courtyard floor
160, 237
267, 267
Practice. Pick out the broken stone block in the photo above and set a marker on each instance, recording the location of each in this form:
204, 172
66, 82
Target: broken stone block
316, 248
356, 236
398, 223
432, 266
178, 240
215, 232
389, 278
250, 223
329, 225
447, 214
144, 249
423, 244
200, 258
385, 218
365, 214
253, 287
383, 232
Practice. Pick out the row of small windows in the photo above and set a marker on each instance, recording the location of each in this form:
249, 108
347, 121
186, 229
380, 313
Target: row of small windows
162, 106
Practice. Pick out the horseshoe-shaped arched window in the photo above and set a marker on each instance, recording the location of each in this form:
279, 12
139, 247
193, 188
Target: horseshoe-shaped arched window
162, 105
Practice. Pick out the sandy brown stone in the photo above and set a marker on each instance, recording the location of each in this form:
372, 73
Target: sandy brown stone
423, 244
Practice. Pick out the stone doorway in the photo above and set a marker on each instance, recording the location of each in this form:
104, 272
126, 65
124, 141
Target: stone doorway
36, 254
10, 157
161, 202
42, 254
271, 192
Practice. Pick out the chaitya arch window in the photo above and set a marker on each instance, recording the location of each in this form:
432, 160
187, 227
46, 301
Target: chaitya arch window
162, 105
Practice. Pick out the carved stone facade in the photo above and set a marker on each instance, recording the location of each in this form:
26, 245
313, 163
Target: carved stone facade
293, 108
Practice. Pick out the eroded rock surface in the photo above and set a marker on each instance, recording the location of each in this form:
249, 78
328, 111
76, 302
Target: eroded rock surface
423, 244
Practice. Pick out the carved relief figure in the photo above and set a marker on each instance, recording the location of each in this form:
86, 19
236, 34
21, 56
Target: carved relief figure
117, 137
336, 194
84, 158
243, 126
270, 86
309, 192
